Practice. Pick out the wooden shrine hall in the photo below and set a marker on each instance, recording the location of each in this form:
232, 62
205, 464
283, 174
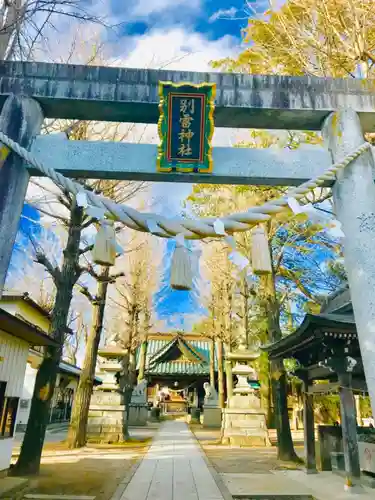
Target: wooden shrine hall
326, 349
176, 367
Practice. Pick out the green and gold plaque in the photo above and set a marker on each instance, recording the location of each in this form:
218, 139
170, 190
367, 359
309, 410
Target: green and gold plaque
186, 127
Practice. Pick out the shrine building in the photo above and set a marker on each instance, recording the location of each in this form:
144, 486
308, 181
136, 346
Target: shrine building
326, 349
176, 367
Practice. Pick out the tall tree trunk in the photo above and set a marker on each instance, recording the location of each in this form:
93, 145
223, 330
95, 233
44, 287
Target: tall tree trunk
270, 412
80, 412
130, 376
212, 362
220, 372
142, 359
11, 24
31, 450
129, 388
278, 376
265, 390
246, 313
126, 388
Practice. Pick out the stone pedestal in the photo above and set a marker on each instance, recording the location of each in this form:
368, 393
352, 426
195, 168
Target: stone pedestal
138, 415
244, 422
107, 418
212, 417
212, 410
107, 413
138, 408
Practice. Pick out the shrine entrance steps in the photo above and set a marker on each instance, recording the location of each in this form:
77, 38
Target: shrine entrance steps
174, 468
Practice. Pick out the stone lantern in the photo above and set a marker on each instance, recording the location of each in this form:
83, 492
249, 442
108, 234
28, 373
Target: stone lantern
107, 413
244, 422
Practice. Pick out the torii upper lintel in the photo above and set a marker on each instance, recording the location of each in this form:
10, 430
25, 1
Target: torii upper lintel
131, 95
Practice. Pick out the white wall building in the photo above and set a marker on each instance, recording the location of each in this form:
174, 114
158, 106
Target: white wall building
24, 328
16, 337
62, 401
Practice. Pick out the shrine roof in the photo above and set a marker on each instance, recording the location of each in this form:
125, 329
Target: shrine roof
332, 328
319, 338
339, 302
177, 356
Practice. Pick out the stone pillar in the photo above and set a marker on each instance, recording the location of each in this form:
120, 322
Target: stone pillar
21, 119
229, 377
354, 198
349, 428
308, 426
138, 407
212, 410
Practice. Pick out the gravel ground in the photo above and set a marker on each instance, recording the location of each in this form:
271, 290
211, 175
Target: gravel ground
234, 459
95, 470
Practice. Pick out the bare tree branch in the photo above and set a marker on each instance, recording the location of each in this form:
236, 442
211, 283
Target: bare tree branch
40, 258
86, 292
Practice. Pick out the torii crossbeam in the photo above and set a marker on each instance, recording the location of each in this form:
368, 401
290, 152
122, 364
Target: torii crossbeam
131, 95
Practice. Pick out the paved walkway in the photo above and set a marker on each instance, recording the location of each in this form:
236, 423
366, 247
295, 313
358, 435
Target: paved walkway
173, 468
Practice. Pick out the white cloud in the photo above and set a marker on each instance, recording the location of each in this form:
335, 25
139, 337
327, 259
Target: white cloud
223, 14
145, 8
178, 49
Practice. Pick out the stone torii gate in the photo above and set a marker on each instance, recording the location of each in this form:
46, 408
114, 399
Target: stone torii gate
342, 109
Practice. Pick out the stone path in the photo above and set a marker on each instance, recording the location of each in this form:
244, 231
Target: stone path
173, 468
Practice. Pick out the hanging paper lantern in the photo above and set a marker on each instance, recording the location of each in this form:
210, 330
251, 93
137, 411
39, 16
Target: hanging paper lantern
104, 251
260, 254
181, 268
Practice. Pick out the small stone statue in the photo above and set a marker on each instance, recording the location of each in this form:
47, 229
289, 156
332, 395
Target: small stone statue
112, 339
211, 397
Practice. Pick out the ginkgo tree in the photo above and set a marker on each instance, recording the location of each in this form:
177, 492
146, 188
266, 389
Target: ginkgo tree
298, 247
335, 38
219, 300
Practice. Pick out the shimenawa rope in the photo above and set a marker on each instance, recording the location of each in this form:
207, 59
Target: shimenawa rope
190, 228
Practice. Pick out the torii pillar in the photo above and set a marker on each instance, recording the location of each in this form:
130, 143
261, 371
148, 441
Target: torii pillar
21, 119
354, 198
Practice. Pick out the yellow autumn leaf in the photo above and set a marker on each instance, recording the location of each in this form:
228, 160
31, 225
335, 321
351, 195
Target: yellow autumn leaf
44, 392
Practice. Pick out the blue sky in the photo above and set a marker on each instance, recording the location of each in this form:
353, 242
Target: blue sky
178, 309
212, 28
215, 19
212, 21
177, 34
28, 225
